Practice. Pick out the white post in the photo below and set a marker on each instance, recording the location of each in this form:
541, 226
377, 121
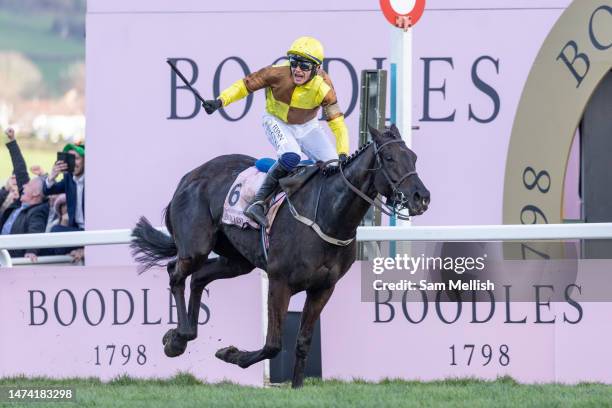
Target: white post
264, 319
401, 55
5, 258
404, 92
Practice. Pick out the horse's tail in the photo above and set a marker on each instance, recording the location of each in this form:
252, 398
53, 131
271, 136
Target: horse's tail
166, 215
151, 246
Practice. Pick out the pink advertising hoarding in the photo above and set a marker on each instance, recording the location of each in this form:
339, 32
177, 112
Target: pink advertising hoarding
470, 62
107, 321
469, 65
139, 148
563, 342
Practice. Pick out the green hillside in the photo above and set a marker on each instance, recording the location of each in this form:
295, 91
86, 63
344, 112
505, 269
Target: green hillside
51, 39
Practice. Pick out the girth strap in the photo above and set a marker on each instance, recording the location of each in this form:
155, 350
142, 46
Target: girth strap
316, 228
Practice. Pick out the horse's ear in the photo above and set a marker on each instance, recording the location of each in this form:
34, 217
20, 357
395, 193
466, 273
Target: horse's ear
395, 131
374, 132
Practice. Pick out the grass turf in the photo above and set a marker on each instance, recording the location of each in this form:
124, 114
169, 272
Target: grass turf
186, 391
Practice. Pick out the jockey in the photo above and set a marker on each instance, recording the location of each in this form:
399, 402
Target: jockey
295, 90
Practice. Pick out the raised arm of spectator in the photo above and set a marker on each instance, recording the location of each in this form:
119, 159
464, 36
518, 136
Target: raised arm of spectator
19, 165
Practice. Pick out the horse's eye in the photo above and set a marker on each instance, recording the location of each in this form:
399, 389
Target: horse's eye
388, 158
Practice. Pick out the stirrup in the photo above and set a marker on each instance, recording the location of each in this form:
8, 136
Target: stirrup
255, 215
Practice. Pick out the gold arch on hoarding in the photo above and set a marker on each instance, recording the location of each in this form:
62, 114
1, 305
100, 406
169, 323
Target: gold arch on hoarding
575, 57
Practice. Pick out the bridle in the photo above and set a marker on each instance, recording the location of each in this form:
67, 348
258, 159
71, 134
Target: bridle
399, 200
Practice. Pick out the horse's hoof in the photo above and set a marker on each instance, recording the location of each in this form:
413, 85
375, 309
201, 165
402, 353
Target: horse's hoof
174, 348
167, 336
173, 344
228, 354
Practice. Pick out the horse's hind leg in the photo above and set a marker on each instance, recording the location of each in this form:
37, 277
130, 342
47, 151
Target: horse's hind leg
219, 268
194, 235
175, 340
315, 302
278, 302
174, 343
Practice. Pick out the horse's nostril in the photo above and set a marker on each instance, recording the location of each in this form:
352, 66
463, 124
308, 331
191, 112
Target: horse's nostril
425, 201
416, 197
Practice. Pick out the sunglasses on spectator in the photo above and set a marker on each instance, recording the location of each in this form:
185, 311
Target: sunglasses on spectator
303, 64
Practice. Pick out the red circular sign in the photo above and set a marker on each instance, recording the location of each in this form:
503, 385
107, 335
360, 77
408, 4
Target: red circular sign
392, 14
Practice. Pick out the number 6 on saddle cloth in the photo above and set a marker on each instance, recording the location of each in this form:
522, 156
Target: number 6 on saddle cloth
246, 185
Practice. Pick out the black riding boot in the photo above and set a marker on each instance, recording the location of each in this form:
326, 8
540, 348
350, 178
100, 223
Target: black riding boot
256, 211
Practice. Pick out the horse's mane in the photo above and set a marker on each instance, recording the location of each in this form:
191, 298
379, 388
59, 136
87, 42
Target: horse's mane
330, 170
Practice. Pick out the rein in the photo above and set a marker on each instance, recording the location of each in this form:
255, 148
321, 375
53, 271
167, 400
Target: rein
399, 198
313, 224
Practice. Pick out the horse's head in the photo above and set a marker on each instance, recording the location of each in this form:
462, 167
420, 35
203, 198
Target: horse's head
396, 177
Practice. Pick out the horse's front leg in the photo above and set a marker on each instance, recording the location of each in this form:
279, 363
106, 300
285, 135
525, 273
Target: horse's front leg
315, 302
278, 303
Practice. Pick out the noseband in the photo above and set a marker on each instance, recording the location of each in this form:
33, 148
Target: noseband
399, 200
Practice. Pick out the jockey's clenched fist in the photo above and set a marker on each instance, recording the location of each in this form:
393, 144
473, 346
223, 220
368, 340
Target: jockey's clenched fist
212, 105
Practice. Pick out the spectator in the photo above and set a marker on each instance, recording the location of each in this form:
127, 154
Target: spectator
58, 212
8, 194
38, 171
28, 214
73, 185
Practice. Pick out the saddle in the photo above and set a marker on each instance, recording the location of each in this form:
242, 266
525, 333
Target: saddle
297, 178
248, 182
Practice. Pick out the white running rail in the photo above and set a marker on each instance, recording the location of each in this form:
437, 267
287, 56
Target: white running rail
59, 240
487, 232
43, 260
67, 239
410, 233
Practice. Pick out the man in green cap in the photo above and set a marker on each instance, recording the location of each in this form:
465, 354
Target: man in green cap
73, 185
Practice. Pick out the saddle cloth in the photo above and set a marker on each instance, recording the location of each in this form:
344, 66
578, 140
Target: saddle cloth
241, 193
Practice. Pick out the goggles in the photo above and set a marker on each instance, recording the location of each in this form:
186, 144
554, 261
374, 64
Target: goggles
303, 64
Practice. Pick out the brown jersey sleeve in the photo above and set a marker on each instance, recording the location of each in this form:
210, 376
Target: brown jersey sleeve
330, 101
263, 78
330, 97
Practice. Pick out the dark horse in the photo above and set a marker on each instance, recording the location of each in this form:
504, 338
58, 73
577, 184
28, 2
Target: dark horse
298, 259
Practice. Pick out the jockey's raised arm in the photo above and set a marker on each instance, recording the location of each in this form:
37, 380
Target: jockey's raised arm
271, 76
295, 90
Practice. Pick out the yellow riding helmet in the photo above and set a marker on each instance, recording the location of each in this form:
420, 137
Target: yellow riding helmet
309, 48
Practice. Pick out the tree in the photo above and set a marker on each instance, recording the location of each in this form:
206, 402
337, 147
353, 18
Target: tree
73, 77
18, 75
